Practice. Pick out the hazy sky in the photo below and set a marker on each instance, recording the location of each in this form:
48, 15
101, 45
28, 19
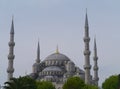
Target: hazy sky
60, 22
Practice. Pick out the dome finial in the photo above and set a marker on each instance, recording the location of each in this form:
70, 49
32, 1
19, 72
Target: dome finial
57, 50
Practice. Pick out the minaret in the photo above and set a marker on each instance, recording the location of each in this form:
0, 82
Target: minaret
95, 68
38, 54
36, 64
11, 55
87, 65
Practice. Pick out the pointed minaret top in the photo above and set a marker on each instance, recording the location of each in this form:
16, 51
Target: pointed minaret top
95, 47
38, 53
86, 19
94, 42
57, 50
12, 27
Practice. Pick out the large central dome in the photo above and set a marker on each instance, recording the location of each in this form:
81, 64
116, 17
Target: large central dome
57, 56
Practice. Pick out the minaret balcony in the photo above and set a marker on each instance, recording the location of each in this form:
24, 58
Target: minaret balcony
10, 70
11, 43
95, 68
87, 66
86, 52
96, 79
11, 56
86, 39
95, 58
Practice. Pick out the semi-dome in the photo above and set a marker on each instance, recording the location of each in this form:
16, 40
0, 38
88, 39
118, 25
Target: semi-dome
52, 71
52, 68
57, 56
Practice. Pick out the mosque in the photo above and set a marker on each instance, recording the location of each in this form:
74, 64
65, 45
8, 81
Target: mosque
57, 67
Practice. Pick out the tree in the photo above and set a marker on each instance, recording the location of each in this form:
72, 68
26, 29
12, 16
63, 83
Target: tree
13, 84
74, 83
20, 83
90, 87
111, 82
45, 85
28, 82
77, 83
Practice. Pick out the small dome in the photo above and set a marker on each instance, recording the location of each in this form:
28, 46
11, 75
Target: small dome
33, 75
57, 56
71, 63
52, 68
36, 64
78, 70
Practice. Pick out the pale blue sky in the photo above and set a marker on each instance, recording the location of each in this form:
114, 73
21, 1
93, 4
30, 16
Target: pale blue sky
60, 22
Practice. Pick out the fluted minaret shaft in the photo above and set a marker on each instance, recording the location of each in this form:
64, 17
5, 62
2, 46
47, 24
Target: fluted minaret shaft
95, 68
87, 65
38, 54
11, 56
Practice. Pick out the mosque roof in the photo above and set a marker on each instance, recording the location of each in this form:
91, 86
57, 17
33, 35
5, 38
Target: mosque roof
57, 56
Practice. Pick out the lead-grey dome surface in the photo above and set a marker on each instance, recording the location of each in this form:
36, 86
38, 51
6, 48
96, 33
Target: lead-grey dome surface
57, 56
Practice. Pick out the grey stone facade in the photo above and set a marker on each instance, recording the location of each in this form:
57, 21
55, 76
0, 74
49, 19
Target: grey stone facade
56, 68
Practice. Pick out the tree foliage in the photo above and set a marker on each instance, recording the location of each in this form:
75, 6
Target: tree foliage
14, 84
27, 83
20, 83
111, 82
45, 85
90, 87
77, 83
74, 83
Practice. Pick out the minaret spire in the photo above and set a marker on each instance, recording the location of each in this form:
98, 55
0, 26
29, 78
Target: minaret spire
11, 55
95, 68
36, 64
87, 65
12, 27
38, 53
86, 20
